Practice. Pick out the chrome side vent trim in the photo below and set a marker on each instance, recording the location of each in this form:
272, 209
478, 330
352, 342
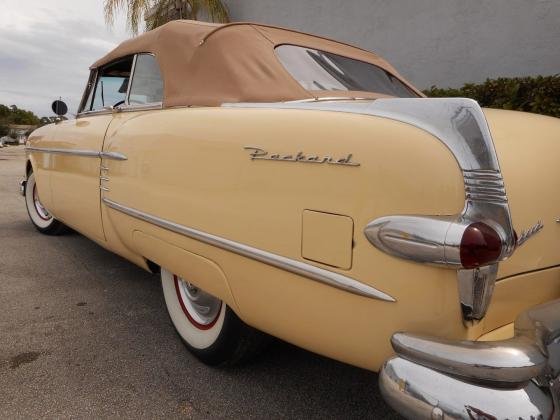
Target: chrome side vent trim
485, 186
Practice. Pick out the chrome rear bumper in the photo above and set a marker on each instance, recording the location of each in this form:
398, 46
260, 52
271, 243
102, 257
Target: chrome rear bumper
518, 378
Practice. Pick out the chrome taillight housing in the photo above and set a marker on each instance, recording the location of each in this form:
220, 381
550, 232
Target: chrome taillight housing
473, 248
437, 240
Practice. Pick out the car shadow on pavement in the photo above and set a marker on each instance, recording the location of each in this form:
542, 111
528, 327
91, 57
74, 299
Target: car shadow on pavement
90, 330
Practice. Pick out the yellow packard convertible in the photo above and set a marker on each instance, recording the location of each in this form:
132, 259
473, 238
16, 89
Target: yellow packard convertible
289, 185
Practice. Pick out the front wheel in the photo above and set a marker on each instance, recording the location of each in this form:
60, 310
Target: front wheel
208, 327
43, 221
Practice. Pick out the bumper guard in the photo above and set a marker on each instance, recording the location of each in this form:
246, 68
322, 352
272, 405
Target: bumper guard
519, 378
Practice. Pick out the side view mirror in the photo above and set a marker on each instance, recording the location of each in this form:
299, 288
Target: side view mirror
59, 108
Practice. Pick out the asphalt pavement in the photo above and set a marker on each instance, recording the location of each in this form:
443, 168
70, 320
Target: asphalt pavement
85, 334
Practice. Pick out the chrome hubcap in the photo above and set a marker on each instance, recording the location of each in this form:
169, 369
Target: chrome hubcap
201, 308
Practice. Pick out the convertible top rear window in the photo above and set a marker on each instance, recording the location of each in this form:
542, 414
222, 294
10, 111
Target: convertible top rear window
324, 71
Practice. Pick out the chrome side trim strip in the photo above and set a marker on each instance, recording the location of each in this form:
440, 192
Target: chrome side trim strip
73, 152
78, 152
314, 273
112, 155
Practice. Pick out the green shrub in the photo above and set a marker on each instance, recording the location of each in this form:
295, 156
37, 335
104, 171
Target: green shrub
539, 94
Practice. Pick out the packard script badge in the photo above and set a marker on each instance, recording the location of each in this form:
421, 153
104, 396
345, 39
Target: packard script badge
260, 154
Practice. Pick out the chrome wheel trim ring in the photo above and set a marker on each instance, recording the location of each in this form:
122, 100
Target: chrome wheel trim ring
192, 335
41, 211
200, 308
31, 194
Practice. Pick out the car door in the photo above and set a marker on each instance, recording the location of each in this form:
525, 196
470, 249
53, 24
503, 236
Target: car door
122, 181
77, 172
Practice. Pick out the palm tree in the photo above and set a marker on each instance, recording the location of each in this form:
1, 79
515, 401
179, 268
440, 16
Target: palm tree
158, 12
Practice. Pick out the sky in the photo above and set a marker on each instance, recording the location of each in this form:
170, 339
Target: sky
46, 48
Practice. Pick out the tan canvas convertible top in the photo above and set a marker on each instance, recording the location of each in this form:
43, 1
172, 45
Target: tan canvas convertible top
206, 64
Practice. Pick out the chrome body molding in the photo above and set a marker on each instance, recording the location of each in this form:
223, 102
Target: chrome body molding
516, 378
112, 156
78, 152
306, 270
71, 152
476, 287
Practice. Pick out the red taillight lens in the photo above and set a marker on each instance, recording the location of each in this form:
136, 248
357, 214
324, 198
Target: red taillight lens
480, 245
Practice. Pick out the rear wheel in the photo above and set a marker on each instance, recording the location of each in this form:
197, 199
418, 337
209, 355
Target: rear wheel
208, 327
43, 221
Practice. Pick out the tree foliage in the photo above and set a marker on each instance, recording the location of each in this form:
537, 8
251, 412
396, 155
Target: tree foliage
157, 12
540, 94
13, 115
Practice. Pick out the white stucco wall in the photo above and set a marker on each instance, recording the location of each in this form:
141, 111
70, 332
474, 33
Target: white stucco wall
441, 42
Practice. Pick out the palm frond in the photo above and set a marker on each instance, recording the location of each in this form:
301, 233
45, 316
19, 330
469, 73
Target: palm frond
135, 12
215, 9
157, 12
160, 14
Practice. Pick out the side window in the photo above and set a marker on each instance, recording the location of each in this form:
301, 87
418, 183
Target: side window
112, 84
147, 86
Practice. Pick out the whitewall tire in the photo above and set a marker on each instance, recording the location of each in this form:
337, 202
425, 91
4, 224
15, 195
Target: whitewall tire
208, 327
39, 215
